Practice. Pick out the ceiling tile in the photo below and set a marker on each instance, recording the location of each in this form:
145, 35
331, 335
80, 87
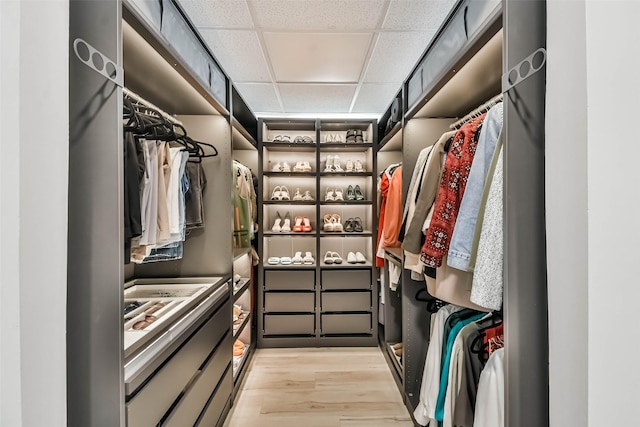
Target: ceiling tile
395, 55
239, 53
417, 14
317, 57
321, 98
338, 15
260, 97
375, 98
218, 13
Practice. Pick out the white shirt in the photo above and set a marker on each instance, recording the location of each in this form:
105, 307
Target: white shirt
490, 400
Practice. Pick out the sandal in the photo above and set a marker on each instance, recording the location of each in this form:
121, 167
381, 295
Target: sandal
357, 225
286, 138
308, 258
275, 194
277, 167
358, 166
307, 196
307, 139
330, 196
329, 164
276, 224
351, 135
274, 260
298, 140
337, 225
297, 228
328, 258
328, 223
336, 164
337, 259
338, 195
348, 225
285, 260
285, 167
284, 193
298, 197
349, 166
306, 224
278, 138
286, 226
359, 136
297, 258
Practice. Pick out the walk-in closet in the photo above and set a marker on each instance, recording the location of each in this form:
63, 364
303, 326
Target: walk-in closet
229, 268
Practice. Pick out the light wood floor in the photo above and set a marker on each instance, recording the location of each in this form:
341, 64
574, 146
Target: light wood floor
319, 387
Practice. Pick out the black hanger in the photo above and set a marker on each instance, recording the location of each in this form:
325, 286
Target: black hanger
447, 144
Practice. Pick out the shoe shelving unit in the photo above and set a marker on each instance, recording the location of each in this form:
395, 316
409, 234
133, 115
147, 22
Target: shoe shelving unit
319, 304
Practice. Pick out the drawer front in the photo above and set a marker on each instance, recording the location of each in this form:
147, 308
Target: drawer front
346, 279
155, 398
275, 280
346, 301
211, 415
289, 302
294, 324
187, 411
346, 323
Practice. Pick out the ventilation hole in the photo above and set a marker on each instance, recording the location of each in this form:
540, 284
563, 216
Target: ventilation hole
513, 77
83, 51
111, 70
525, 67
537, 60
98, 62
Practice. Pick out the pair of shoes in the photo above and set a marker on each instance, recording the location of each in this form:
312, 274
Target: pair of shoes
302, 224
354, 166
238, 348
333, 195
278, 167
306, 197
285, 260
356, 258
353, 224
306, 260
302, 140
280, 225
280, 192
355, 135
302, 167
333, 137
354, 193
333, 164
281, 138
332, 223
332, 258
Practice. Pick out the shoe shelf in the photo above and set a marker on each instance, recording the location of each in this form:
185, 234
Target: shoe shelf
289, 202
290, 174
240, 287
345, 146
285, 146
288, 267
346, 202
344, 173
364, 233
239, 361
311, 233
239, 327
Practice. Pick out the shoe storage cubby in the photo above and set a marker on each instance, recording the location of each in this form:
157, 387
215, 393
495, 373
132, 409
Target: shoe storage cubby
321, 172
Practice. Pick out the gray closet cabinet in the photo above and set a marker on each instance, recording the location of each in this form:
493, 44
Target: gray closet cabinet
318, 303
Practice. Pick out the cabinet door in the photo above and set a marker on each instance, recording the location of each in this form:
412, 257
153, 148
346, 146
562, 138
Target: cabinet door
346, 301
333, 324
275, 280
289, 324
290, 302
346, 279
218, 402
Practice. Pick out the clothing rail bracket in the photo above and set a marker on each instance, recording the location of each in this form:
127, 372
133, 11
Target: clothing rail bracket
97, 61
524, 69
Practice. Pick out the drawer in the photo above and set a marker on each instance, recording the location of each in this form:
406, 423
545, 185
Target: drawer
191, 405
292, 324
290, 302
289, 280
215, 408
155, 398
346, 301
346, 323
346, 279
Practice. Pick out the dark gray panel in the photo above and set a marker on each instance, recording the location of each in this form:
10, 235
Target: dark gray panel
346, 279
95, 389
290, 302
217, 404
346, 301
191, 405
289, 280
346, 323
284, 324
526, 324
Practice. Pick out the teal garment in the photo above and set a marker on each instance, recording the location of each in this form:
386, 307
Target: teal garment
451, 321
444, 373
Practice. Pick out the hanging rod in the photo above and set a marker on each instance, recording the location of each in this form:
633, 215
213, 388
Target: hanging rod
129, 94
477, 111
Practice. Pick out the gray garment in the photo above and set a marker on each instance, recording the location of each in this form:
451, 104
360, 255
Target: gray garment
414, 186
486, 288
469, 377
194, 204
463, 232
428, 191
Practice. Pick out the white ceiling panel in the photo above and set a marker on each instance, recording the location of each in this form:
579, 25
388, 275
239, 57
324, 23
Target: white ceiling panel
333, 15
218, 13
375, 98
239, 53
322, 98
395, 55
260, 96
317, 57
417, 14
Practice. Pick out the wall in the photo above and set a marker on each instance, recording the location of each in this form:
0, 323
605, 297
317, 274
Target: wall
33, 211
592, 212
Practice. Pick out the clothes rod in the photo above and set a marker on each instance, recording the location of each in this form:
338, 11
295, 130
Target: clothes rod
478, 111
128, 93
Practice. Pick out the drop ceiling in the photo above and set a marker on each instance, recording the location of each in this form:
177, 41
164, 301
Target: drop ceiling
317, 58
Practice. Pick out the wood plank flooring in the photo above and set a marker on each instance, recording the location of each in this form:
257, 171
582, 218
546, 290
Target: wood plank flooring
319, 387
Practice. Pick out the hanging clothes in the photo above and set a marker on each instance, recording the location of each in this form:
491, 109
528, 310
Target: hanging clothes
487, 286
243, 194
132, 212
452, 186
490, 402
383, 192
194, 198
393, 215
463, 232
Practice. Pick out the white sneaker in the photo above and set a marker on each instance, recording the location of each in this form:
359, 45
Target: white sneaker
297, 258
308, 258
360, 259
351, 258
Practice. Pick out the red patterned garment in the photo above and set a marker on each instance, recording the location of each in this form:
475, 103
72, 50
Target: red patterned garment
452, 184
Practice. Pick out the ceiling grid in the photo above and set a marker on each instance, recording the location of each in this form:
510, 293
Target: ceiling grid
317, 58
